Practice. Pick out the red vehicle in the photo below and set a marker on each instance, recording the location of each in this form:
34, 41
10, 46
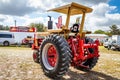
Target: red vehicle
28, 41
56, 50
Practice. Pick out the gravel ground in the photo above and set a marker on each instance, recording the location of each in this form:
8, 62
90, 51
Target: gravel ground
16, 64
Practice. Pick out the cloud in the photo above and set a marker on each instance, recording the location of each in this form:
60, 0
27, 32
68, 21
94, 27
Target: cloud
101, 15
87, 2
101, 9
27, 11
2, 18
15, 7
6, 20
22, 7
44, 4
102, 18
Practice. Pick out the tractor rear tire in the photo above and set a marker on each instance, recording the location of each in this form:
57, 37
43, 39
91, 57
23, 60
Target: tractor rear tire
90, 63
55, 56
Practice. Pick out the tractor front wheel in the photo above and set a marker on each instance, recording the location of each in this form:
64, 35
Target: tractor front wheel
55, 56
36, 56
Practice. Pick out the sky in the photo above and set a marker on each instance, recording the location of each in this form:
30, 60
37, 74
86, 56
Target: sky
105, 12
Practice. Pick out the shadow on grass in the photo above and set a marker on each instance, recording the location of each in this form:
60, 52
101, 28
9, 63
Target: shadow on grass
92, 75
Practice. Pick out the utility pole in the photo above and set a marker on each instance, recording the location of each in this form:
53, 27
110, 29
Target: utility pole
15, 22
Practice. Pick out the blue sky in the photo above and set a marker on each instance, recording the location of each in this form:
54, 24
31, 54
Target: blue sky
115, 3
105, 12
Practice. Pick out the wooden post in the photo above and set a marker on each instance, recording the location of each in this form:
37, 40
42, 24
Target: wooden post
68, 18
82, 24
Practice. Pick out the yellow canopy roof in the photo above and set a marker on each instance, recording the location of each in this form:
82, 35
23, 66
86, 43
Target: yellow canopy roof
75, 9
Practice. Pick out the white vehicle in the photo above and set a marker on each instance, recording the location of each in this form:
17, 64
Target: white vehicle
116, 42
6, 38
107, 42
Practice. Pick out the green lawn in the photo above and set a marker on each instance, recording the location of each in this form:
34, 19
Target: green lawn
16, 47
105, 50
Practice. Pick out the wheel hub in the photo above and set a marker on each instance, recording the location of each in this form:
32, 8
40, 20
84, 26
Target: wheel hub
52, 56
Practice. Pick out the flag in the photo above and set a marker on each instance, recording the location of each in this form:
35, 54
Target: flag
59, 24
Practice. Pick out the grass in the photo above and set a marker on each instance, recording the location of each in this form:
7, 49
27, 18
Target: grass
18, 60
106, 51
15, 47
109, 62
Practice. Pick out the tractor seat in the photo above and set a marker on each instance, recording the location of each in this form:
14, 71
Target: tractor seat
75, 28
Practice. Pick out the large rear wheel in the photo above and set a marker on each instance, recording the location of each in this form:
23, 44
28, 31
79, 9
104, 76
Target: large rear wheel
55, 56
89, 63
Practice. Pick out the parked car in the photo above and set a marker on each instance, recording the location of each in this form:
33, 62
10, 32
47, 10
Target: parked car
6, 38
107, 42
115, 45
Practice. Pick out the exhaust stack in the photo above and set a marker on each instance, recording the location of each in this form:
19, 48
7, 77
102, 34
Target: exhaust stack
50, 23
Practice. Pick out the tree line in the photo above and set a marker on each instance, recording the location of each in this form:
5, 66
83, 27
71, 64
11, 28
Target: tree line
4, 27
114, 30
39, 26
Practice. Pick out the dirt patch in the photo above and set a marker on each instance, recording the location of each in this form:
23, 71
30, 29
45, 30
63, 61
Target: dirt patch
17, 64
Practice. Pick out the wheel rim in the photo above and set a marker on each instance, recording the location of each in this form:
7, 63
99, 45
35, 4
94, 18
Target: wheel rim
49, 56
52, 56
6, 43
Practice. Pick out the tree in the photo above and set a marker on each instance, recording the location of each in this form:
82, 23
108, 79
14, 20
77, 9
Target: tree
4, 27
99, 32
39, 26
7, 28
1, 27
108, 33
103, 32
114, 30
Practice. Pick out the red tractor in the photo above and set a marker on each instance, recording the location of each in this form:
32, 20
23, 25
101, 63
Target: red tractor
56, 50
